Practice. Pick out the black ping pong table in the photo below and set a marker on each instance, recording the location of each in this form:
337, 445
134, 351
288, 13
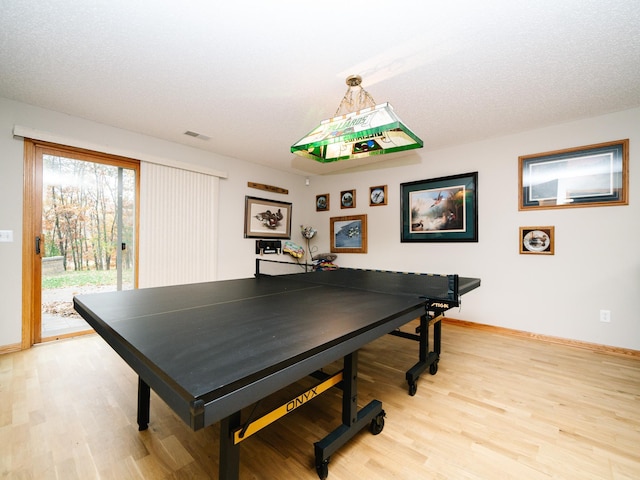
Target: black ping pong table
210, 350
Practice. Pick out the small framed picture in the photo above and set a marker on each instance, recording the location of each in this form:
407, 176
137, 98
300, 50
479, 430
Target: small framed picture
377, 195
348, 234
348, 199
322, 202
536, 240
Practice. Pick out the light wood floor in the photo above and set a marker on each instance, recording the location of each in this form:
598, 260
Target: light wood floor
500, 407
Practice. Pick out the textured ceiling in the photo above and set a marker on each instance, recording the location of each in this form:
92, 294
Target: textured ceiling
256, 76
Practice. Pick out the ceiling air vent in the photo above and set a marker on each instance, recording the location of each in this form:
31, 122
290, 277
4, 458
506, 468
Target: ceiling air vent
196, 135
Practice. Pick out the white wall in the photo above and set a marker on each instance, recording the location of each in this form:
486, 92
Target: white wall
596, 264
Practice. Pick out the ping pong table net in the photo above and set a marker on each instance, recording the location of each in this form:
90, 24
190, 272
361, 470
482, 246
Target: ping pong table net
441, 290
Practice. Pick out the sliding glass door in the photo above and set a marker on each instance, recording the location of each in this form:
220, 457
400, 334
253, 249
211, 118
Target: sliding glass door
84, 236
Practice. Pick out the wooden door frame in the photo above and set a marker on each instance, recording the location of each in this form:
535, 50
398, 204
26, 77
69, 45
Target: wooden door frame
32, 227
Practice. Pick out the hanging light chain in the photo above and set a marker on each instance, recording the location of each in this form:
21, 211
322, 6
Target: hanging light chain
354, 102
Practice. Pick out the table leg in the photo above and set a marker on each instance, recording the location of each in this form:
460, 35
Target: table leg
353, 421
424, 338
427, 360
229, 468
144, 399
437, 337
350, 389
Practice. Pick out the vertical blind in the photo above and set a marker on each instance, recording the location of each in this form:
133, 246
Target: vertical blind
178, 226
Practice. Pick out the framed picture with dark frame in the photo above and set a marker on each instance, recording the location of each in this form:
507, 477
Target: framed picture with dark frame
537, 240
348, 199
348, 234
322, 202
266, 218
443, 209
590, 176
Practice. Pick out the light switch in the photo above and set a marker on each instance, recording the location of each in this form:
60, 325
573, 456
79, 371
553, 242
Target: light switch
6, 235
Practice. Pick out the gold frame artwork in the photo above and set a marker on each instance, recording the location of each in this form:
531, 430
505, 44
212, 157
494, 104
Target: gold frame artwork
537, 240
348, 234
348, 198
590, 176
377, 195
322, 202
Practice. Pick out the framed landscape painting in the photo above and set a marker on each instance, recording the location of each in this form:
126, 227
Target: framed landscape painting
443, 209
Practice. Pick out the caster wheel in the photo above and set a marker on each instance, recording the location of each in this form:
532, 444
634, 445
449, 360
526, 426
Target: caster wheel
323, 469
413, 388
433, 368
377, 424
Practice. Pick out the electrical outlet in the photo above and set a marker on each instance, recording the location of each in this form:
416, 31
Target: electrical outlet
605, 316
6, 235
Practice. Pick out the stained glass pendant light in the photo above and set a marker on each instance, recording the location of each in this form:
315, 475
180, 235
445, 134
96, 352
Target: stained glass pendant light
359, 128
